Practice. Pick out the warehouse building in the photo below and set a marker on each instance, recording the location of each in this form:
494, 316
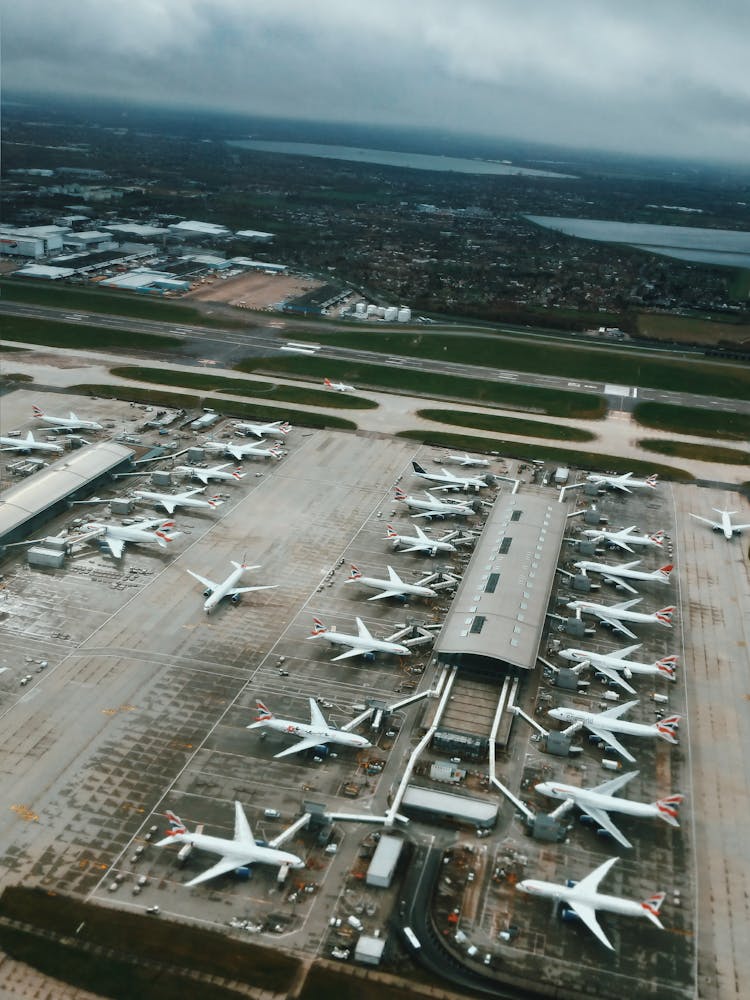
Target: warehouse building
384, 861
447, 807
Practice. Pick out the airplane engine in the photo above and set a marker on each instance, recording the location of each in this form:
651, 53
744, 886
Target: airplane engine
207, 592
235, 598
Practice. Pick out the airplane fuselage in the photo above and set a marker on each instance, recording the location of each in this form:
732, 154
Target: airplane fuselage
621, 571
603, 723
595, 900
328, 735
29, 444
600, 534
619, 614
405, 589
366, 646
584, 798
435, 508
624, 666
204, 475
244, 854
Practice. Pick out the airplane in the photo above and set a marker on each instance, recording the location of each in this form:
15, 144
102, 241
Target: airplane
170, 501
421, 542
338, 386
584, 900
311, 734
215, 472
361, 644
605, 724
277, 428
466, 459
600, 801
215, 592
725, 524
240, 851
394, 586
624, 538
29, 443
619, 574
432, 507
114, 536
615, 666
622, 482
449, 480
240, 451
614, 614
69, 423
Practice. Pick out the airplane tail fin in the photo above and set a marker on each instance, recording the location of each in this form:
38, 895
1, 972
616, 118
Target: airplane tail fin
664, 615
651, 907
264, 713
666, 668
417, 467
667, 728
390, 531
176, 826
318, 627
327, 383
163, 537
669, 808
285, 427
664, 571
354, 573
238, 474
651, 480
215, 501
400, 495
657, 538
36, 411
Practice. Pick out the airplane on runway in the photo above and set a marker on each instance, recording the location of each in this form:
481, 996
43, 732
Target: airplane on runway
624, 538
583, 899
240, 451
170, 501
239, 852
614, 614
449, 481
215, 472
311, 734
69, 423
618, 575
605, 724
114, 536
394, 586
29, 443
421, 542
725, 524
432, 507
215, 592
615, 666
361, 644
466, 459
277, 428
623, 482
338, 386
600, 801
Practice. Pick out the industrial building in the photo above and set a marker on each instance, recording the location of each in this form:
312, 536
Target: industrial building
31, 241
384, 861
447, 807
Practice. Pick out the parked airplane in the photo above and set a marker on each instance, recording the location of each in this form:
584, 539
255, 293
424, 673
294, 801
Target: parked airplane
338, 386
615, 666
614, 614
466, 459
215, 592
361, 644
624, 482
240, 451
240, 851
170, 501
432, 507
29, 443
619, 574
69, 423
600, 801
114, 536
311, 734
394, 586
584, 900
421, 542
725, 524
277, 428
624, 538
215, 472
449, 481
605, 724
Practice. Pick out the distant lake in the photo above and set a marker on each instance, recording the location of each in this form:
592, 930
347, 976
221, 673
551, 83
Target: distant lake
388, 158
725, 247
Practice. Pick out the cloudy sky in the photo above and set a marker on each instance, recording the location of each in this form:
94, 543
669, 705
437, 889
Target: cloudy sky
647, 76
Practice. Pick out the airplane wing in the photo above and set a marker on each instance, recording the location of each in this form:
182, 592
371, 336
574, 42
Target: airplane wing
611, 740
316, 716
248, 590
616, 784
613, 675
362, 630
242, 829
616, 624
115, 545
590, 882
619, 486
386, 593
603, 819
222, 867
587, 914
201, 474
619, 542
618, 581
419, 547
209, 584
706, 520
306, 744
352, 652
167, 503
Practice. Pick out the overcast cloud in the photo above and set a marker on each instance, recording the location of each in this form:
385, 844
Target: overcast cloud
659, 77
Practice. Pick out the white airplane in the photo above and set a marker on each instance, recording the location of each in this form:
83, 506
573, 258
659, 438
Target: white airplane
394, 586
623, 482
215, 592
277, 428
466, 459
29, 443
338, 386
240, 451
615, 666
624, 538
599, 802
361, 644
432, 507
240, 851
215, 472
725, 524
618, 575
311, 734
69, 423
449, 481
615, 614
584, 900
114, 536
421, 542
605, 724
170, 501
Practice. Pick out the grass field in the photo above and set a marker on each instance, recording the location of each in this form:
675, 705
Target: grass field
692, 420
506, 425
697, 452
97, 338
689, 330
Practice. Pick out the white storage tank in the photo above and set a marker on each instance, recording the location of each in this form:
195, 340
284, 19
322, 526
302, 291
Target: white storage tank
380, 312
372, 310
360, 308
391, 314
404, 314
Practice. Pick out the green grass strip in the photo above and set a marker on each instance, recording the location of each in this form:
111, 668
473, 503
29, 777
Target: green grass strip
48, 333
509, 425
697, 420
697, 452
